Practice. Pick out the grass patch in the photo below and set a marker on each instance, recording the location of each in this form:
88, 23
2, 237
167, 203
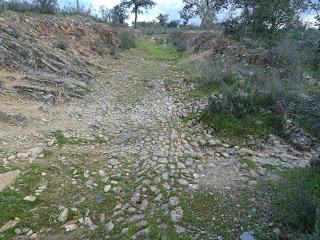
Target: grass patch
313, 71
296, 196
203, 91
11, 201
235, 127
249, 162
227, 216
160, 52
61, 140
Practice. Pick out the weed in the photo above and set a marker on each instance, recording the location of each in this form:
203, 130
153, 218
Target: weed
269, 167
62, 44
249, 163
48, 153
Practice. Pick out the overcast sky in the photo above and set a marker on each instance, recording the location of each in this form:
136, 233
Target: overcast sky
171, 7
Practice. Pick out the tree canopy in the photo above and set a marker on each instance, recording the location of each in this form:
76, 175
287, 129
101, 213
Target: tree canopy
137, 6
163, 19
205, 9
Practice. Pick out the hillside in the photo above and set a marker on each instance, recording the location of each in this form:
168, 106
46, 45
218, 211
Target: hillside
46, 54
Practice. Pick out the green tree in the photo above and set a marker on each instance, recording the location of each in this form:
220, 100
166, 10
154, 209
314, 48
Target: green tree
173, 24
163, 19
137, 6
2, 5
268, 19
205, 9
119, 14
46, 6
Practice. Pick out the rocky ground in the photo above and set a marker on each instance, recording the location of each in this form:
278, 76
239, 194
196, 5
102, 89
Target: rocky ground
125, 162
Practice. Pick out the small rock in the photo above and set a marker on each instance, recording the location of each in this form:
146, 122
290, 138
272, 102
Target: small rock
165, 176
63, 215
113, 162
246, 236
142, 233
102, 218
174, 201
142, 224
99, 198
135, 218
176, 215
102, 173
315, 160
124, 230
144, 205
183, 182
107, 188
30, 198
180, 229
70, 227
109, 227
8, 178
9, 225
34, 236
245, 152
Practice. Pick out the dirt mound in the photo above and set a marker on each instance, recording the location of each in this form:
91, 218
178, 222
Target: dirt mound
209, 43
49, 56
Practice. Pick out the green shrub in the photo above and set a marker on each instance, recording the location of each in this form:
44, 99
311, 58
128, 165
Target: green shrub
297, 197
113, 51
19, 6
177, 42
216, 73
232, 101
180, 46
127, 40
62, 44
100, 48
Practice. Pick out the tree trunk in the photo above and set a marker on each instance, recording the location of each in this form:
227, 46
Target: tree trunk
2, 5
78, 6
135, 17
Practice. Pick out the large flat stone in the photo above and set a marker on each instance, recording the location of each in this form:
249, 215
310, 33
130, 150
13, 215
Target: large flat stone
8, 178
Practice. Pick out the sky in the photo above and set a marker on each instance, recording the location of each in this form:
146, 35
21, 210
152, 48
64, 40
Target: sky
171, 7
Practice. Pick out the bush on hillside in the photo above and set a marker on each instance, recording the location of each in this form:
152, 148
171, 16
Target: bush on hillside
127, 40
62, 44
236, 102
177, 42
216, 73
100, 48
